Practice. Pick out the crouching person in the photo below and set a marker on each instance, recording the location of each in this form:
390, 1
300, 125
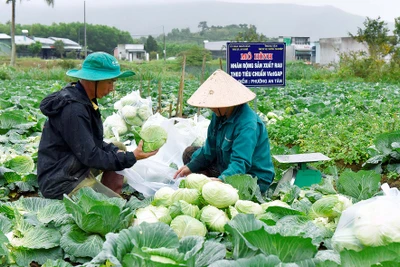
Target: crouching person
71, 150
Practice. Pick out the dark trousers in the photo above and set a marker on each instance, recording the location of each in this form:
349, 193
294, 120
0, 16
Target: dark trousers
210, 171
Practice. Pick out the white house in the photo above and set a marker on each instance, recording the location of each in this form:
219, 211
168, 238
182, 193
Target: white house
328, 50
217, 49
131, 52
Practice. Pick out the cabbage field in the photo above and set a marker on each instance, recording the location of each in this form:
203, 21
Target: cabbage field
346, 220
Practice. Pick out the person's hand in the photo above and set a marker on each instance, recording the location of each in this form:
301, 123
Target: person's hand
215, 179
139, 154
183, 171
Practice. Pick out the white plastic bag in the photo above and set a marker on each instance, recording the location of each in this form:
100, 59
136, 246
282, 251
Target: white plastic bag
148, 175
372, 222
134, 109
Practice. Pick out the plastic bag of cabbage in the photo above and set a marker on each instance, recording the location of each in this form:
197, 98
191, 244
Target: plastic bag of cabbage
370, 223
134, 109
149, 175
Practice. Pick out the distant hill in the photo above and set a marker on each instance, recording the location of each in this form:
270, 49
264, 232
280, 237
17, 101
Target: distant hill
272, 20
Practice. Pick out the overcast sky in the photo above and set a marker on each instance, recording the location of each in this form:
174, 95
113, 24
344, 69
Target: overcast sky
386, 9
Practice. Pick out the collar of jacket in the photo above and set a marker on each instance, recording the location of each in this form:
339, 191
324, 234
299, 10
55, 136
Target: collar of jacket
93, 101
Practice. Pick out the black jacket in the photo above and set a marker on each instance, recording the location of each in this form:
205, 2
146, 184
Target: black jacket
72, 143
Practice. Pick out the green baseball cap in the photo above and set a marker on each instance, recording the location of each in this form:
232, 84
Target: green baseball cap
99, 66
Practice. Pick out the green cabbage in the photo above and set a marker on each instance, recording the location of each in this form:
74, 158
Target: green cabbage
184, 225
330, 206
144, 112
377, 223
191, 196
248, 207
152, 214
214, 218
154, 137
114, 125
196, 181
275, 203
220, 195
189, 209
163, 196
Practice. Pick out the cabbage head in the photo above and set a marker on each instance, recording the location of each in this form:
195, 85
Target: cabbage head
191, 196
144, 112
114, 125
377, 223
152, 214
184, 225
214, 218
189, 209
163, 196
196, 181
344, 238
330, 206
275, 203
129, 113
154, 137
219, 194
248, 207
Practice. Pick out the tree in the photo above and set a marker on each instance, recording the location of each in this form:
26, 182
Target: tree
151, 45
35, 48
194, 55
375, 34
203, 27
59, 47
250, 35
13, 47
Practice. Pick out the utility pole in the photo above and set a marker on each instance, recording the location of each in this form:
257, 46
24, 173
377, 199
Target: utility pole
165, 47
84, 26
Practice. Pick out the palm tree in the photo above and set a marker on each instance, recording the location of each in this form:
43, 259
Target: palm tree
13, 47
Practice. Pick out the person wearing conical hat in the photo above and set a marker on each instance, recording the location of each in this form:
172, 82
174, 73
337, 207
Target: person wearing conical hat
237, 139
72, 151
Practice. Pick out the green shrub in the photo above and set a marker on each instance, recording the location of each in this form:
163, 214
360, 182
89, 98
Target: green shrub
67, 64
4, 73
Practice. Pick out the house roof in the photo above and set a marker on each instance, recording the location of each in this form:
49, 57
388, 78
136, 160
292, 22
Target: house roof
215, 46
67, 42
23, 40
46, 42
4, 36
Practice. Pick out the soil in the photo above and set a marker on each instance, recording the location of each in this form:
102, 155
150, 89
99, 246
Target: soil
393, 182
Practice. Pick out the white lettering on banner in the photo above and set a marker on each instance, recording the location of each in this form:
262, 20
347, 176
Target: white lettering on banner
265, 81
236, 74
274, 73
278, 65
258, 81
236, 65
259, 73
258, 65
248, 65
269, 65
246, 73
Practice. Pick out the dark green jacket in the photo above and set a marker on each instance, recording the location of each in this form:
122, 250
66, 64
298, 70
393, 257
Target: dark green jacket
239, 145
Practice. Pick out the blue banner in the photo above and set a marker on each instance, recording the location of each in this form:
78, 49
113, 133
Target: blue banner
257, 64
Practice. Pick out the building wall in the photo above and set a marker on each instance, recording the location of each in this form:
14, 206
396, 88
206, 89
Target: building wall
331, 48
290, 53
5, 47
